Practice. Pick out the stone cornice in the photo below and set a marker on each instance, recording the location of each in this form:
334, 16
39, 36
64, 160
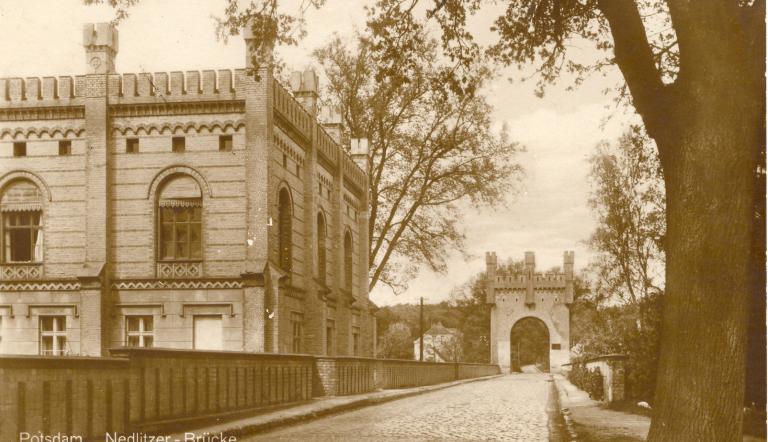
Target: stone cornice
177, 108
292, 131
42, 113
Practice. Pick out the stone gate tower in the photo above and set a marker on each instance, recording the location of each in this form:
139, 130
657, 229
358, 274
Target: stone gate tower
544, 296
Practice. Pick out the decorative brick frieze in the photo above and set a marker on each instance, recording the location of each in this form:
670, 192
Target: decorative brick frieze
228, 126
39, 132
21, 272
179, 270
42, 113
177, 108
166, 284
41, 286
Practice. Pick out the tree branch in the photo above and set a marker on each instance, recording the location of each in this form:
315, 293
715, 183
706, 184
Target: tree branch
635, 59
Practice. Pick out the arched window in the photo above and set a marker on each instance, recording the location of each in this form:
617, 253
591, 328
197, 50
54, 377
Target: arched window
321, 252
180, 207
348, 261
22, 214
285, 230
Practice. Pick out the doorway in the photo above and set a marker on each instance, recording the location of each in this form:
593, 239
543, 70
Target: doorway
529, 342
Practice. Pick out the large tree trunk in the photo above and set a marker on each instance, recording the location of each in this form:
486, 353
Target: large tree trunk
709, 127
709, 155
710, 203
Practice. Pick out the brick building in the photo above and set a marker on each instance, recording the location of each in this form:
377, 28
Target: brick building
183, 210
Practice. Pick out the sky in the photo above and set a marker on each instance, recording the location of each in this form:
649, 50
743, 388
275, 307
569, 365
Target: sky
549, 214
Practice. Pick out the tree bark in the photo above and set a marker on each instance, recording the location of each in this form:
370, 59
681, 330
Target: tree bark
708, 127
710, 184
710, 204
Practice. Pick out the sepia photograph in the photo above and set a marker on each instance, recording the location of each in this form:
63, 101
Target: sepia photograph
382, 220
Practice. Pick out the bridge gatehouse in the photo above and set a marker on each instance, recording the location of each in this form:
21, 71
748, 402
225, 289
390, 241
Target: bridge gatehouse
518, 294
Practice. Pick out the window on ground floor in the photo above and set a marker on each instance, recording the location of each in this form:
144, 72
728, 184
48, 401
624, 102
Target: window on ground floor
330, 336
208, 332
139, 331
53, 335
297, 326
356, 341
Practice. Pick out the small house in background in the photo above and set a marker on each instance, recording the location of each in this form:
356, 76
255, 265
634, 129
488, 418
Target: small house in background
441, 344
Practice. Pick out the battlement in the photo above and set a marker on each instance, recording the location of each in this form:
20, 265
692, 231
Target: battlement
100, 35
36, 91
540, 280
208, 85
293, 112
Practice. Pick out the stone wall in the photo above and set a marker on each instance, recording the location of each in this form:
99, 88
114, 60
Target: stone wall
347, 375
72, 395
612, 370
162, 389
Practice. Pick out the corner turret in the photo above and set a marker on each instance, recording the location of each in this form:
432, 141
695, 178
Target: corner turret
568, 258
530, 269
305, 89
100, 43
490, 277
358, 150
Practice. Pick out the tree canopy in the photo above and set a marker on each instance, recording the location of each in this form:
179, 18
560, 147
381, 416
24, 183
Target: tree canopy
432, 147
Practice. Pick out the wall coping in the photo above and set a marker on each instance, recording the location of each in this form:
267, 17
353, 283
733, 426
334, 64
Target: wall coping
157, 353
121, 357
56, 362
606, 357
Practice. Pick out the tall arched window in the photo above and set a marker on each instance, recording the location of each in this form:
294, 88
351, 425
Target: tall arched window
22, 214
285, 230
348, 261
321, 252
180, 207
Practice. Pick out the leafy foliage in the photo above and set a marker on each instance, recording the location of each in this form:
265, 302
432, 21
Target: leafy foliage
622, 312
431, 148
628, 200
587, 379
615, 329
396, 342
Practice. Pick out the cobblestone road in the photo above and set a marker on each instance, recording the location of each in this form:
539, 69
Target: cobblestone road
507, 408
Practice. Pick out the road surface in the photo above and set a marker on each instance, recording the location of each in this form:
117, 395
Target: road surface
512, 407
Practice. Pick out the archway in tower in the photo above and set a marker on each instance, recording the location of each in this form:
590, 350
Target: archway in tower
529, 342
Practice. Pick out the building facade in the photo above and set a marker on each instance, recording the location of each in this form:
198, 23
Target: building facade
546, 297
441, 344
206, 210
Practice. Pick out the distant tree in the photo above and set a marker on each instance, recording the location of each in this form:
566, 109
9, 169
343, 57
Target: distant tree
628, 200
396, 343
475, 323
431, 147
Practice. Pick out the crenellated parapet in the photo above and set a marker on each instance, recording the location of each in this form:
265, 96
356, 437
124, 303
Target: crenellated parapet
208, 85
291, 111
530, 281
40, 92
